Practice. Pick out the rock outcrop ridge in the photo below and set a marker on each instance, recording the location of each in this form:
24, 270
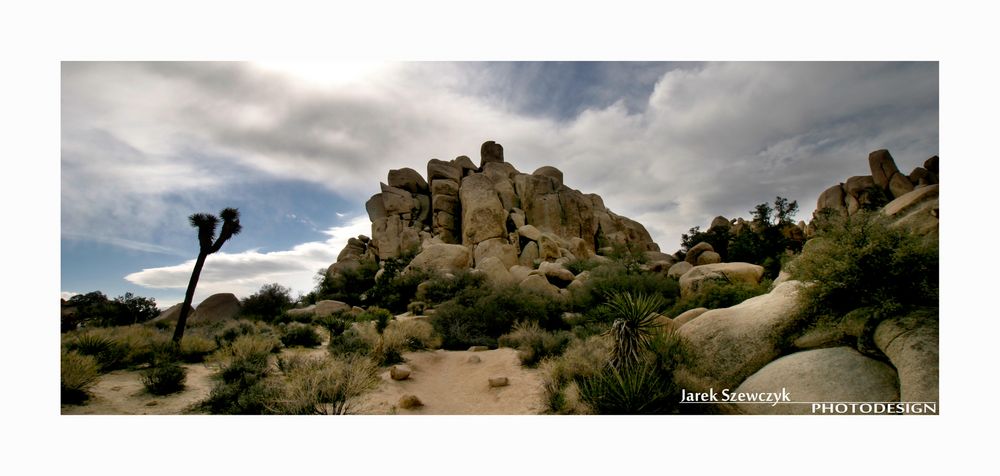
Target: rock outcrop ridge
493, 211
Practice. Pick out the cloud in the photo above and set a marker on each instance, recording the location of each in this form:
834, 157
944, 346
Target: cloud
244, 273
673, 147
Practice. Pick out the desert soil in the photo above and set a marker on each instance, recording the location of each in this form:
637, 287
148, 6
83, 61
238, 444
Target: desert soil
121, 393
448, 384
444, 381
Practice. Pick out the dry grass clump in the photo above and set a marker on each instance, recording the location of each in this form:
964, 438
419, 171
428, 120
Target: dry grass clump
77, 373
325, 385
582, 359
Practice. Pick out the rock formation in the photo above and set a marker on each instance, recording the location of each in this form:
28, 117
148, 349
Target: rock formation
872, 192
463, 215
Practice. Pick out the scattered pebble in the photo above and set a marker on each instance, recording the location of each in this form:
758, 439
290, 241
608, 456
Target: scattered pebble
499, 382
399, 372
474, 359
152, 403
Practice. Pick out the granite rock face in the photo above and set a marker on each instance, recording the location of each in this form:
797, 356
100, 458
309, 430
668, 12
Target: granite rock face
493, 210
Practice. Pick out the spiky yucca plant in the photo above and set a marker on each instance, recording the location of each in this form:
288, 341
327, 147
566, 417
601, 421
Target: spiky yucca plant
206, 225
632, 329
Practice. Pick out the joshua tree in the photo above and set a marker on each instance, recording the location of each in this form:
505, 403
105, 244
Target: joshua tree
206, 224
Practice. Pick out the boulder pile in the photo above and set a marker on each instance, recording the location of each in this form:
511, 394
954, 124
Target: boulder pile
493, 218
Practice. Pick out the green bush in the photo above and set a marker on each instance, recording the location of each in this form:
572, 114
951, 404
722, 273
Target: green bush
627, 390
229, 331
478, 316
108, 354
863, 262
716, 295
349, 285
95, 308
645, 386
164, 378
301, 335
336, 323
608, 280
439, 289
534, 343
77, 373
416, 308
350, 342
578, 266
268, 303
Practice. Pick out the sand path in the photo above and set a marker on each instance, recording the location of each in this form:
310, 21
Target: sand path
121, 393
448, 384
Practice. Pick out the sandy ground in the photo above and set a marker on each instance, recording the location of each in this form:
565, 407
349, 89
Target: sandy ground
121, 393
445, 381
448, 384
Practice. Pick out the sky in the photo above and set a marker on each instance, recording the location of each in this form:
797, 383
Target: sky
299, 147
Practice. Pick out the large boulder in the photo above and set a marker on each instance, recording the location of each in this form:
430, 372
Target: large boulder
529, 232
911, 344
836, 374
171, 313
483, 216
490, 152
495, 271
551, 172
730, 344
832, 198
900, 185
883, 167
688, 316
538, 283
407, 179
217, 307
443, 258
917, 210
396, 200
329, 307
496, 247
679, 269
439, 169
698, 276
556, 274
375, 208
709, 257
696, 251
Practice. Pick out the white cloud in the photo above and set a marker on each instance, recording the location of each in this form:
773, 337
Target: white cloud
244, 273
713, 139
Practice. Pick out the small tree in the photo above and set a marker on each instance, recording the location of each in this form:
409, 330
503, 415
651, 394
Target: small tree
208, 243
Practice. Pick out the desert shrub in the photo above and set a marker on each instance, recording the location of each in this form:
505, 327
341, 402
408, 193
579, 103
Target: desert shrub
118, 347
581, 359
411, 335
106, 352
578, 265
95, 308
349, 285
326, 386
335, 323
642, 386
416, 308
228, 331
534, 343
164, 377
302, 335
194, 348
439, 289
77, 373
394, 289
478, 316
629, 256
350, 342
635, 320
268, 303
863, 262
627, 390
607, 280
716, 295
245, 386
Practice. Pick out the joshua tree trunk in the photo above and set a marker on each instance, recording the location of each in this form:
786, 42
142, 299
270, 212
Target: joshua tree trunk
189, 297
